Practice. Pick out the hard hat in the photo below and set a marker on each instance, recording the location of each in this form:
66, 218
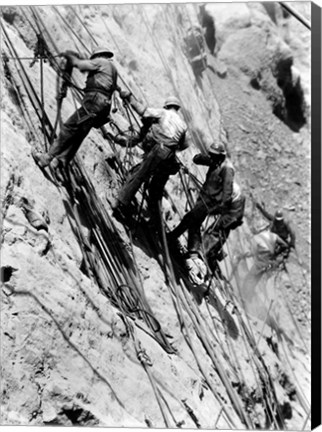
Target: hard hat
172, 101
101, 50
217, 149
279, 215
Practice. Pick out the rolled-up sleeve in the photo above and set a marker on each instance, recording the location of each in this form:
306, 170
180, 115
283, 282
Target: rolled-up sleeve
201, 159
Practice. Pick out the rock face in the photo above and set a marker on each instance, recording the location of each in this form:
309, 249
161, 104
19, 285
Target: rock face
94, 329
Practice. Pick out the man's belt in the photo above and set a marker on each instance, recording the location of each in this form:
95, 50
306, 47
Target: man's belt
98, 90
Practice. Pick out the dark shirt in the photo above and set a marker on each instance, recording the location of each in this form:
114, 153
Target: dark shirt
282, 228
218, 185
102, 77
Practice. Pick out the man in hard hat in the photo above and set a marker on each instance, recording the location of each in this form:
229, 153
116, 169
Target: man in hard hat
279, 225
100, 84
164, 133
215, 198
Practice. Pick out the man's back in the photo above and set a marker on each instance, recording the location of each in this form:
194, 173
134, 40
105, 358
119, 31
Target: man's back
104, 76
167, 126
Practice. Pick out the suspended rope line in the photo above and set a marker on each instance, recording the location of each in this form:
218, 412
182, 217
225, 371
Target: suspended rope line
296, 14
36, 103
23, 10
80, 238
78, 174
250, 337
203, 106
166, 68
25, 112
73, 9
117, 47
67, 25
177, 304
253, 370
205, 342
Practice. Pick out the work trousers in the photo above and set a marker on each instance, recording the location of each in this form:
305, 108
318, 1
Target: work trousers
192, 222
93, 113
157, 166
217, 234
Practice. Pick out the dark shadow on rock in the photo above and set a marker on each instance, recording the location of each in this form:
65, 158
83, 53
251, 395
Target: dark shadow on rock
208, 23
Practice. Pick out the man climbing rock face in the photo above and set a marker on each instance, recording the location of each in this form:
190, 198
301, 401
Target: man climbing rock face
164, 132
100, 84
215, 196
279, 225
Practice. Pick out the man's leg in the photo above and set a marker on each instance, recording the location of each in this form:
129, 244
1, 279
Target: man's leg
69, 139
167, 167
192, 221
75, 129
144, 171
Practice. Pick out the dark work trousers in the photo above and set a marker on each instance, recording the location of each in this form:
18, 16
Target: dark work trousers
154, 166
192, 222
217, 234
93, 113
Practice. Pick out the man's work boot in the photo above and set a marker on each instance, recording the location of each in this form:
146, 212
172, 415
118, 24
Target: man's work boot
42, 159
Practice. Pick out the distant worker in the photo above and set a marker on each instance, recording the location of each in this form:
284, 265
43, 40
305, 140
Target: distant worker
96, 104
208, 22
194, 49
164, 133
215, 197
279, 226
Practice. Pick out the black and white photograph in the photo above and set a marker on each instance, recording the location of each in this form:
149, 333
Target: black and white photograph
156, 175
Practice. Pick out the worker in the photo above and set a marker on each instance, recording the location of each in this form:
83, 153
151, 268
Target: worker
94, 111
194, 49
279, 225
163, 133
215, 197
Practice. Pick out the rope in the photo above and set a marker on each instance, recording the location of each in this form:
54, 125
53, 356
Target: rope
96, 234
250, 337
296, 14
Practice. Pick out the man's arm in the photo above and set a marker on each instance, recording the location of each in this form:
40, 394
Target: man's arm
264, 212
81, 64
139, 107
202, 159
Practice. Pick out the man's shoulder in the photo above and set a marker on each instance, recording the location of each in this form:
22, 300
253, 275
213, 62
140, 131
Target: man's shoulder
102, 62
